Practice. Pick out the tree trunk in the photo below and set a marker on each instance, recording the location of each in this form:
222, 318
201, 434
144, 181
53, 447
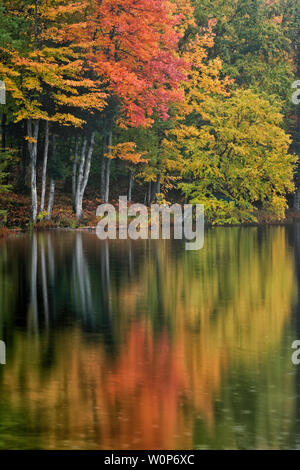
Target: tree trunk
78, 210
103, 169
45, 163
149, 194
84, 173
52, 185
130, 187
107, 180
74, 175
157, 186
51, 199
33, 133
108, 165
88, 165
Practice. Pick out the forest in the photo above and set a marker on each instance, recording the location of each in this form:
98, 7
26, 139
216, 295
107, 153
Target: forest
159, 100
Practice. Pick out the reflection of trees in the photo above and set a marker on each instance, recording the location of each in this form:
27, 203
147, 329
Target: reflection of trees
228, 306
180, 333
296, 336
81, 280
9, 280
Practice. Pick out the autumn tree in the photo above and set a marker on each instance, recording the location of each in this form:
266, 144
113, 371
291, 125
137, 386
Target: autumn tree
239, 160
52, 83
229, 146
135, 50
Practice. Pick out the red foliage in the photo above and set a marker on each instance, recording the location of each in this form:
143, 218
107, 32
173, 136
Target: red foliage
135, 46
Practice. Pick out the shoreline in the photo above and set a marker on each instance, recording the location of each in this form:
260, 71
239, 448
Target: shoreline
7, 232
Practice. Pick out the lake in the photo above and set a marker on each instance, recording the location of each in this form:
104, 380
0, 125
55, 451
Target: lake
144, 345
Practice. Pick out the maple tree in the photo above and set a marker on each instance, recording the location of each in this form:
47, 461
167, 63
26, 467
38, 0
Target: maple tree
135, 50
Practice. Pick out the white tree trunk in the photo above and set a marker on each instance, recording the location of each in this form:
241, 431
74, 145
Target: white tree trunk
51, 199
84, 173
52, 185
45, 162
108, 165
33, 133
78, 210
88, 165
130, 187
74, 175
103, 169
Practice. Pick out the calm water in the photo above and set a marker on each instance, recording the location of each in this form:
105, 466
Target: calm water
143, 345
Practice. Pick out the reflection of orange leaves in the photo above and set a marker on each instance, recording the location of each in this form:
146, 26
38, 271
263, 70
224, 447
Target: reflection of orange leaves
148, 378
131, 401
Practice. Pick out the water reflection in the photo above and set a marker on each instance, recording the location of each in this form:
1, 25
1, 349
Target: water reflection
143, 345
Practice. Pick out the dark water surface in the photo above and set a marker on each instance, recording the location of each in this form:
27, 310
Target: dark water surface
143, 345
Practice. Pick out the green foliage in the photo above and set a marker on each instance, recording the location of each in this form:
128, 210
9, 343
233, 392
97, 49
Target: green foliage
12, 27
252, 43
42, 215
238, 161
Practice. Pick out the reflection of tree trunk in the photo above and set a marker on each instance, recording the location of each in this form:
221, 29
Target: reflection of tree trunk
105, 276
44, 284
51, 261
158, 256
81, 279
131, 260
33, 308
